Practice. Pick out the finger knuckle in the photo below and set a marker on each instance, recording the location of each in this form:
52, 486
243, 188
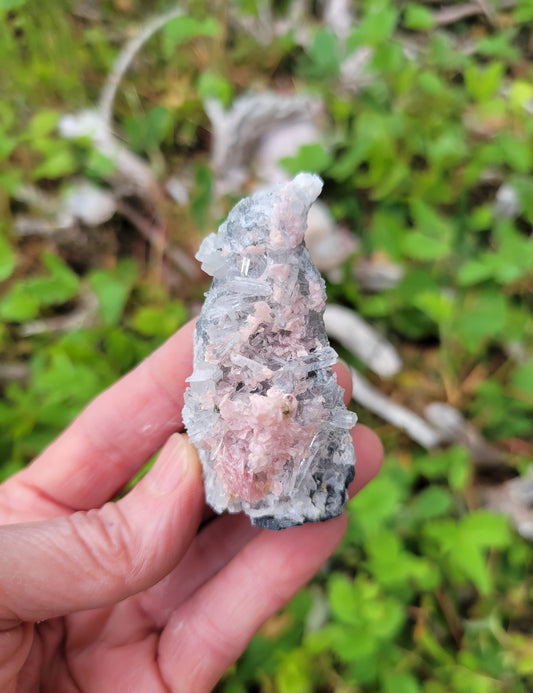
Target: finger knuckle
108, 542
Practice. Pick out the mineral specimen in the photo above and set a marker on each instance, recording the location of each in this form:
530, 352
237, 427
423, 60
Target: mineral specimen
263, 407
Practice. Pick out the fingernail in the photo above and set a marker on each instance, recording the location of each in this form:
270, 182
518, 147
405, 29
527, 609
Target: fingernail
176, 460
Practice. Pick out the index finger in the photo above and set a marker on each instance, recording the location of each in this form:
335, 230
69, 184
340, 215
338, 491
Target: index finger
117, 432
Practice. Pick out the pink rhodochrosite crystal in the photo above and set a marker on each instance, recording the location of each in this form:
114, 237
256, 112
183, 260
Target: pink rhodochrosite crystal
263, 407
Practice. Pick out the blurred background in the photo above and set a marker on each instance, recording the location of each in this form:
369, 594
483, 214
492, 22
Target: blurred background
128, 130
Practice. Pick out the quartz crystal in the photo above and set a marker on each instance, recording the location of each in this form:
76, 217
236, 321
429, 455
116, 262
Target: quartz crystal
263, 407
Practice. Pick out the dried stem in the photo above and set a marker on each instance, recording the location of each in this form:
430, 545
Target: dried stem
449, 15
416, 428
124, 59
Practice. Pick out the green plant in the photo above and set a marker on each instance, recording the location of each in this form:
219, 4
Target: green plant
428, 593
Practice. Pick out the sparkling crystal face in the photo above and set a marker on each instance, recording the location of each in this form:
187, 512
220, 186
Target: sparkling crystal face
263, 406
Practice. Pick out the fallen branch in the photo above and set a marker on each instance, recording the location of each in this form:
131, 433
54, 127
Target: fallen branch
454, 428
350, 330
131, 175
514, 498
14, 371
452, 14
154, 233
34, 197
238, 131
124, 60
377, 275
86, 315
415, 426
97, 123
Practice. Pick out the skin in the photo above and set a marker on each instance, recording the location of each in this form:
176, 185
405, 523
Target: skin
150, 593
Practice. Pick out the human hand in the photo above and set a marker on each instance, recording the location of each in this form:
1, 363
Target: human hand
138, 594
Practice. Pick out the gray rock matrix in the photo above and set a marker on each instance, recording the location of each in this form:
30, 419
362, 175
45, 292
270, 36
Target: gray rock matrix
263, 407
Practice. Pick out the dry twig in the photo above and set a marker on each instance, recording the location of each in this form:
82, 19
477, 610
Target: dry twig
86, 315
454, 13
515, 499
454, 428
124, 60
415, 426
350, 330
238, 132
14, 371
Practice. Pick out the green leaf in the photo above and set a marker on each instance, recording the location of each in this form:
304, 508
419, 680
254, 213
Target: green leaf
294, 674
113, 289
481, 217
465, 544
433, 501
483, 82
443, 532
501, 414
520, 93
211, 85
429, 221
460, 468
395, 567
146, 133
342, 599
523, 185
28, 296
419, 246
58, 163
500, 44
7, 144
471, 560
388, 57
522, 378
324, 62
249, 7
482, 315
66, 384
376, 26
473, 272
42, 124
99, 166
418, 18
66, 281
448, 149
387, 231
19, 305
433, 234
375, 504
184, 28
202, 195
397, 682
11, 180
430, 83
397, 174
161, 321
311, 157
523, 12
516, 152
486, 529
10, 5
7, 115
435, 304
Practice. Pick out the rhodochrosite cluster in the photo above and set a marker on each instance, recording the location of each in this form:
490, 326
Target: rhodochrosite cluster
263, 406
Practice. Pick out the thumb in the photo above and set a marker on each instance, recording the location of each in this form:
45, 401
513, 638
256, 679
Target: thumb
98, 557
